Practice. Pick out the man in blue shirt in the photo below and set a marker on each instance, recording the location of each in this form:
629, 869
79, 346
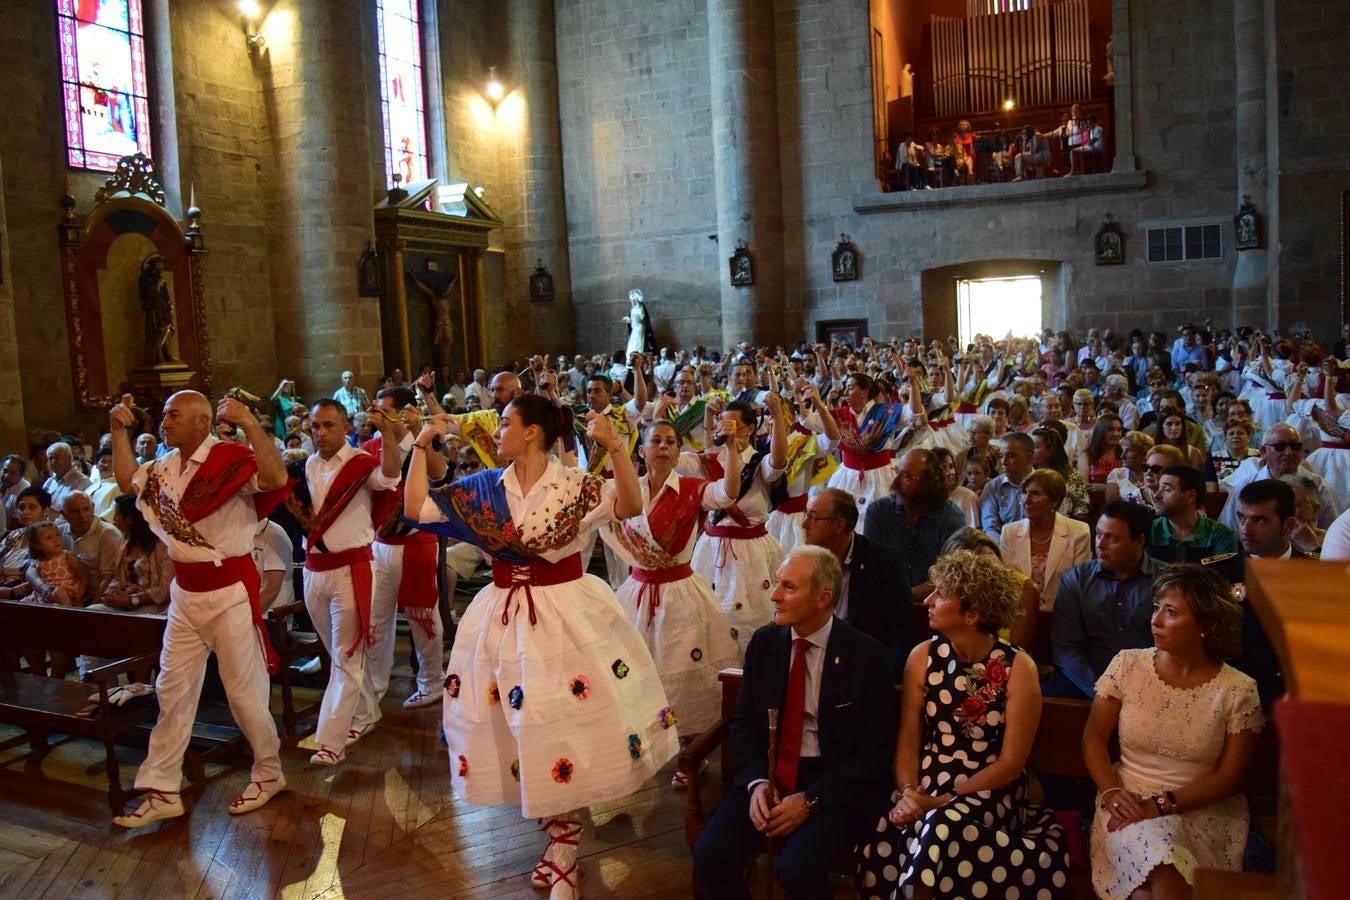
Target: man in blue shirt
1104, 605
1186, 349
1001, 501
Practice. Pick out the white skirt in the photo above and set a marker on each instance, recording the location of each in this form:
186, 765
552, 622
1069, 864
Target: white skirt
690, 639
741, 573
786, 529
865, 485
563, 714
1333, 464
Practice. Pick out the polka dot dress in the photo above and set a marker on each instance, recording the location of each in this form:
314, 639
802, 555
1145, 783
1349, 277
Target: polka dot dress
990, 844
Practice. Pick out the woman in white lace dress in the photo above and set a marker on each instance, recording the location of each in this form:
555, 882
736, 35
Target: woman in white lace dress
1188, 726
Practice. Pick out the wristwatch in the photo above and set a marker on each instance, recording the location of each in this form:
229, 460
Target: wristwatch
812, 803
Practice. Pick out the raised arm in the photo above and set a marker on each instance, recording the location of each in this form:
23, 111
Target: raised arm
415, 486
271, 470
627, 491
778, 438
122, 418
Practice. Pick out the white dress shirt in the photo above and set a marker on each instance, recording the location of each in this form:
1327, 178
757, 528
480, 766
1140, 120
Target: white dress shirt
228, 530
353, 527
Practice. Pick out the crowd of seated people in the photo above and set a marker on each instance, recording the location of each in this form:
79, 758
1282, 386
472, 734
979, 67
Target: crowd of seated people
1104, 493
1076, 146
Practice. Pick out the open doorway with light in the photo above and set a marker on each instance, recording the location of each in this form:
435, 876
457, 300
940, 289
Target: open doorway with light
997, 306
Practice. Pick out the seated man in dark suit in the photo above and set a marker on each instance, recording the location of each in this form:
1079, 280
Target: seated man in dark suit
837, 711
872, 599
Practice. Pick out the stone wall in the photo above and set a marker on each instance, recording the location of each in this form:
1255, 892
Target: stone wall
637, 167
1312, 120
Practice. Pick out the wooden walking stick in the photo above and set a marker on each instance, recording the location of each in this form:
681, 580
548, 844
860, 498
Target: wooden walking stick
773, 797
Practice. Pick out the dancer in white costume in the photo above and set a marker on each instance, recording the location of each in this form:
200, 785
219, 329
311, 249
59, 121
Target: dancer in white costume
809, 463
551, 700
736, 554
669, 604
872, 430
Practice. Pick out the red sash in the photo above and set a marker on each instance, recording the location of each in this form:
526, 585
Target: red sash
792, 505
966, 409
357, 559
417, 594
675, 514
726, 535
205, 576
227, 468
651, 580
1336, 445
349, 479
535, 573
866, 462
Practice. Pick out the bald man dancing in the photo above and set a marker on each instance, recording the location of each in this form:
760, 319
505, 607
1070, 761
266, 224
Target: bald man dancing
202, 500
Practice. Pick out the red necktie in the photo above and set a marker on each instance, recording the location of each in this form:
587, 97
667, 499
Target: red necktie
794, 711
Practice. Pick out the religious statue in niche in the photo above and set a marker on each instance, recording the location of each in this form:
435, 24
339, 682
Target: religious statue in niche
157, 306
1110, 244
742, 267
844, 260
443, 330
1244, 224
640, 338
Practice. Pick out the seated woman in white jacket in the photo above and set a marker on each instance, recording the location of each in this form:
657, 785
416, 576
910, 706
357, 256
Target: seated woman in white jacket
1045, 544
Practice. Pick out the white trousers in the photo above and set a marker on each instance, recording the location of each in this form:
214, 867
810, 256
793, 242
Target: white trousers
383, 610
200, 623
347, 703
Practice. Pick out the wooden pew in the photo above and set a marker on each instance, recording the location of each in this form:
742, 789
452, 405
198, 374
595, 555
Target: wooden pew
42, 705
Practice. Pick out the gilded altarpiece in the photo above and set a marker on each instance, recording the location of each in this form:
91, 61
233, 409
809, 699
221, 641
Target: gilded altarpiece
432, 277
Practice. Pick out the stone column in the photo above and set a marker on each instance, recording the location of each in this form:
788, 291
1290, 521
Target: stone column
534, 206
322, 185
1123, 62
12, 435
1251, 274
745, 165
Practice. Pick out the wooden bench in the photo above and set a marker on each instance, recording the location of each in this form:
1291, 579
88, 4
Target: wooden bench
42, 705
1057, 750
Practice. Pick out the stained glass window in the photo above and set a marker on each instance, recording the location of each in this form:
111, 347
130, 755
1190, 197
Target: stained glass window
103, 81
405, 129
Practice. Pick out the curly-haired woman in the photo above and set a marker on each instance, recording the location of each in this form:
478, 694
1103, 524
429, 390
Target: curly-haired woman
1187, 724
961, 826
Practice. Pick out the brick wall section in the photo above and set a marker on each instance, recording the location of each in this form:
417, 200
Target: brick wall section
11, 387
637, 165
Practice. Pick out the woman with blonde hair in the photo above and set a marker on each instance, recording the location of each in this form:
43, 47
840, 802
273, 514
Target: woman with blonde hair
961, 825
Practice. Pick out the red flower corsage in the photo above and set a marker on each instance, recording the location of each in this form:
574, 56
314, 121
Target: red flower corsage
562, 770
580, 687
995, 672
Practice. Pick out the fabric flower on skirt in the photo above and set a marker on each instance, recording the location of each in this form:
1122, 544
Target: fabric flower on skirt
696, 654
620, 668
634, 746
562, 770
580, 687
515, 769
666, 717
463, 767
765, 585
452, 684
494, 695
516, 697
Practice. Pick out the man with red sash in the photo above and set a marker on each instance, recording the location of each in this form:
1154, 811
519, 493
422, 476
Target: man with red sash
202, 500
405, 570
334, 503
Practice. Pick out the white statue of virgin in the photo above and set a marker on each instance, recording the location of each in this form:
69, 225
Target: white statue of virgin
639, 326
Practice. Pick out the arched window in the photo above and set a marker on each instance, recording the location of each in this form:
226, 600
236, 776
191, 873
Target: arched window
103, 82
405, 126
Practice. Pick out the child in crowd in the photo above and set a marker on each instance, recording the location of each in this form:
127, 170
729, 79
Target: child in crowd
57, 574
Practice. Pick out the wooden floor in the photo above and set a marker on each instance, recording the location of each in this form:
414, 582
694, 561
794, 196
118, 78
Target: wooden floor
382, 824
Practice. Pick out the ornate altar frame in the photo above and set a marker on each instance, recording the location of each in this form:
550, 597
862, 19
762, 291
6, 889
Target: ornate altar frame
404, 226
132, 200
